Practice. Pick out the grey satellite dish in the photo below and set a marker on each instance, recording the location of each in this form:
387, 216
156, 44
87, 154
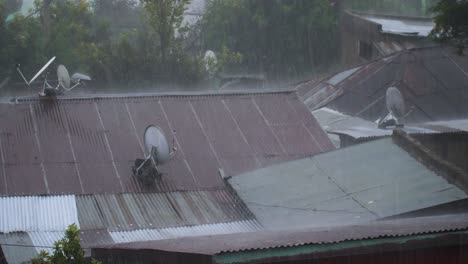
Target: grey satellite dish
76, 77
395, 103
63, 77
155, 140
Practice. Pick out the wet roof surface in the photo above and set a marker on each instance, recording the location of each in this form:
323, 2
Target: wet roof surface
433, 81
350, 185
211, 245
85, 146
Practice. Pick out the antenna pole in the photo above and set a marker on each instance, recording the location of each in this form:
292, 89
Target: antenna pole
19, 70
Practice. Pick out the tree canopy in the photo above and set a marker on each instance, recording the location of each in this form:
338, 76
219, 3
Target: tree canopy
451, 19
273, 36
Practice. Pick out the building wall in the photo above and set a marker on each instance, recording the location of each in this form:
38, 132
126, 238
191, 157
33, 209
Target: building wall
447, 255
355, 30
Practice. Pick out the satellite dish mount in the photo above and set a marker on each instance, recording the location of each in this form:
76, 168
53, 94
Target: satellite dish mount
396, 109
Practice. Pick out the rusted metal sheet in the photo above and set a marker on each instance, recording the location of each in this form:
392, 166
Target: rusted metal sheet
88, 145
432, 82
211, 245
254, 127
221, 134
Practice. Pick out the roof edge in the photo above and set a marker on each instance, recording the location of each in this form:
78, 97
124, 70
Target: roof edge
156, 94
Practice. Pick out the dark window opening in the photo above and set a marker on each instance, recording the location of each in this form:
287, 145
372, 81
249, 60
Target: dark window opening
365, 50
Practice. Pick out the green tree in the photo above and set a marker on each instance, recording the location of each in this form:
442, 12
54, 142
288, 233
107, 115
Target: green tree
277, 37
165, 18
66, 251
451, 19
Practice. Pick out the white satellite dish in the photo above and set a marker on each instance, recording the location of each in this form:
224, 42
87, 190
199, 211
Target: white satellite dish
395, 103
210, 61
155, 140
63, 77
396, 108
157, 151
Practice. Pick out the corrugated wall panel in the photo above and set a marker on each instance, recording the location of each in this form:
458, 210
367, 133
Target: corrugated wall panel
35, 213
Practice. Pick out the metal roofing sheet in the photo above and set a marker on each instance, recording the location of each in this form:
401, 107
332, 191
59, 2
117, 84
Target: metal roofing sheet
13, 250
86, 145
186, 231
340, 187
37, 213
403, 26
212, 245
432, 81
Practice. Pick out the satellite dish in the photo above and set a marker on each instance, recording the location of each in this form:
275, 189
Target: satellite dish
395, 103
42, 70
210, 62
63, 77
157, 152
156, 144
76, 77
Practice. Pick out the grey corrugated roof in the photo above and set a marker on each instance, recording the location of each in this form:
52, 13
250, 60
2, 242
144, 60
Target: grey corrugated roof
369, 181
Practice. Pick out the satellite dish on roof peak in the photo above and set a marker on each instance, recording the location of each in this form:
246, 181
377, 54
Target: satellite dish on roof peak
395, 106
395, 102
63, 77
157, 152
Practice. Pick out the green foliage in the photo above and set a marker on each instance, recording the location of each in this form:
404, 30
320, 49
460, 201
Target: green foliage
117, 42
66, 251
451, 22
277, 37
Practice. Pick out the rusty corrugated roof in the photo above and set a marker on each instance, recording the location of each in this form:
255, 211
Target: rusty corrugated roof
432, 80
87, 145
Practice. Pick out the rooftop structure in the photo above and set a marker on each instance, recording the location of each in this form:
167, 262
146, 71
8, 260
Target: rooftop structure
365, 37
361, 183
433, 82
69, 160
439, 236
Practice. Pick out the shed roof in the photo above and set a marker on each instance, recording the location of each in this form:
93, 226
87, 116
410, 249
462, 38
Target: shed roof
400, 25
88, 145
355, 184
433, 81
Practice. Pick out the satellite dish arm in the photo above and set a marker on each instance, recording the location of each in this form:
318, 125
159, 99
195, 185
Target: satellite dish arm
21, 73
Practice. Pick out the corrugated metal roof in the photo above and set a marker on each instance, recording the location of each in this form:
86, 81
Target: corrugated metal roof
15, 254
340, 187
37, 213
337, 123
433, 82
186, 231
402, 25
159, 210
117, 212
212, 245
87, 145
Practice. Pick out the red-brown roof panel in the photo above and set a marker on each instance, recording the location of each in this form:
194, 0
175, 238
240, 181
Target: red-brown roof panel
88, 145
